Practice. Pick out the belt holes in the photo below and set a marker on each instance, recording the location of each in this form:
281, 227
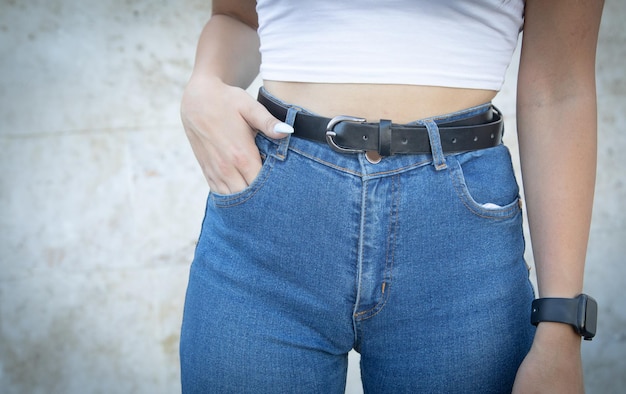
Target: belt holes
364, 138
492, 136
475, 138
405, 141
454, 140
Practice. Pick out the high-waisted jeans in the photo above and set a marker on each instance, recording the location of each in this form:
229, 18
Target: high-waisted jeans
415, 262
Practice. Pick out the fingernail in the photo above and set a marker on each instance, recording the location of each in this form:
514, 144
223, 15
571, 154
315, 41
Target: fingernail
283, 128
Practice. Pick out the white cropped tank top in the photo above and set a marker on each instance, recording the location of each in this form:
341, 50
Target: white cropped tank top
452, 43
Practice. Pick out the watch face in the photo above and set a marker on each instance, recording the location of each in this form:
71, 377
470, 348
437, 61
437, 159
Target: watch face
591, 316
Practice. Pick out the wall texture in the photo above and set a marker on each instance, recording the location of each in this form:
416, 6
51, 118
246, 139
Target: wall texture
101, 199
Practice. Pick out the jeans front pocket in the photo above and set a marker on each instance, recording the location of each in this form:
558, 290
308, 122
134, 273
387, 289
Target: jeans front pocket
268, 160
484, 181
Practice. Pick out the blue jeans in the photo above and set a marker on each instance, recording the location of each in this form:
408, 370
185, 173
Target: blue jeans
416, 262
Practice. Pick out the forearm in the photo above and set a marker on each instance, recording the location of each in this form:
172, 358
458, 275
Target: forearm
558, 154
228, 49
556, 116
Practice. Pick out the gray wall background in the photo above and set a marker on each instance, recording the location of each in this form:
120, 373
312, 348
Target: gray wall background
101, 199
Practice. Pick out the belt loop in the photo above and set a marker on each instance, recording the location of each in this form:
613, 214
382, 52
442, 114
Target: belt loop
283, 144
290, 118
439, 160
384, 137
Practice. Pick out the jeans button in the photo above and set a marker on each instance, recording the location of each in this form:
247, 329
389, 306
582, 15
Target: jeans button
373, 157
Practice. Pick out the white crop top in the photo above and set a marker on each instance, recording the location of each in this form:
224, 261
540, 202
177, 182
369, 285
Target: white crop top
453, 43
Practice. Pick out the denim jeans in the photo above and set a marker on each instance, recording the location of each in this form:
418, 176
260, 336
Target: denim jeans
415, 262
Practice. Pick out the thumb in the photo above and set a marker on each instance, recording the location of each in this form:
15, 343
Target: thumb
260, 119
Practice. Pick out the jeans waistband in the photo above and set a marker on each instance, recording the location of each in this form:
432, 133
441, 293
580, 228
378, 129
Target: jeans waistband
438, 136
477, 129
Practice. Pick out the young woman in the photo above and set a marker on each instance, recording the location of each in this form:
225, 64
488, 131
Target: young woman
365, 200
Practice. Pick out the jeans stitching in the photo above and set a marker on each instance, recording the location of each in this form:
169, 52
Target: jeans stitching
326, 163
228, 201
359, 271
358, 173
506, 212
389, 255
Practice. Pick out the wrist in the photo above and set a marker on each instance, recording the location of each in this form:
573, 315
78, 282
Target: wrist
580, 313
551, 333
202, 77
201, 90
559, 340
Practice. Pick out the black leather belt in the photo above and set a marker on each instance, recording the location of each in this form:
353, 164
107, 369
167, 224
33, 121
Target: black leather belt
349, 134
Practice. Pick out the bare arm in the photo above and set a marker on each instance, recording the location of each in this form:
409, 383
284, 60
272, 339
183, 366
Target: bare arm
556, 107
228, 47
219, 117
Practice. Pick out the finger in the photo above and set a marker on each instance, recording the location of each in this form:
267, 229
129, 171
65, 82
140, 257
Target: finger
259, 118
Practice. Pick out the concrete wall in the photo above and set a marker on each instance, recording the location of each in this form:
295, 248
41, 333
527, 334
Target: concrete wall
101, 199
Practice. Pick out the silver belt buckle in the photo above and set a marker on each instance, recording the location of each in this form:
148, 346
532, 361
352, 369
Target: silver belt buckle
330, 133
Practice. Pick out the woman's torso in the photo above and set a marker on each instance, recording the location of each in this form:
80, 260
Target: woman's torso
400, 59
399, 103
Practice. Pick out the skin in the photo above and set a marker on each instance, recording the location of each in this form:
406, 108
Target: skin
557, 128
556, 113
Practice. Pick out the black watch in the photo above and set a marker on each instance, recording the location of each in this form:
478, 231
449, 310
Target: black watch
580, 312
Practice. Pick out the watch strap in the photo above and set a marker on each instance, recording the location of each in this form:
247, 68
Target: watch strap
559, 310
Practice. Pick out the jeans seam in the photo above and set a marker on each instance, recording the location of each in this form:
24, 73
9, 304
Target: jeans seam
398, 170
357, 173
326, 163
501, 214
393, 230
389, 256
229, 201
359, 270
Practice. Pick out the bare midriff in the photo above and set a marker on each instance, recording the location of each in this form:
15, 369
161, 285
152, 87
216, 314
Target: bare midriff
398, 103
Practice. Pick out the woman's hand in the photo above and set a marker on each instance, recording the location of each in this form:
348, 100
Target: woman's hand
553, 364
221, 122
